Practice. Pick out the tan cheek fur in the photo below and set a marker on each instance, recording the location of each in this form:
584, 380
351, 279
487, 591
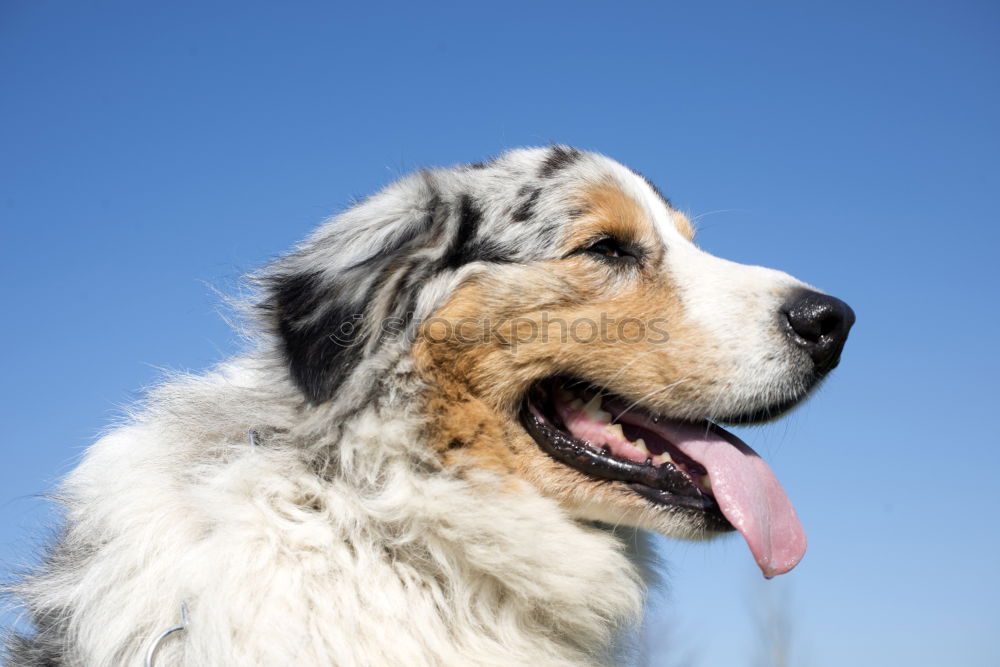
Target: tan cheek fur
509, 328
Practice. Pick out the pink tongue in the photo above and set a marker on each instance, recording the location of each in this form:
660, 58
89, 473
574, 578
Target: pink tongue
747, 491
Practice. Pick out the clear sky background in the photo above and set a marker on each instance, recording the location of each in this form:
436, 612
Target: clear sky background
151, 153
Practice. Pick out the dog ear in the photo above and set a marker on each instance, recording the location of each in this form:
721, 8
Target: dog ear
320, 331
351, 287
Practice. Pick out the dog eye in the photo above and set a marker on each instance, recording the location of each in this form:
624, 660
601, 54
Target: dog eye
612, 248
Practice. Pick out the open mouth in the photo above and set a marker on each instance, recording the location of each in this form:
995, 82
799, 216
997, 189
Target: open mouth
693, 468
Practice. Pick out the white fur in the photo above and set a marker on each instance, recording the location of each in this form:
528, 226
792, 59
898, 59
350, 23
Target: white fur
383, 565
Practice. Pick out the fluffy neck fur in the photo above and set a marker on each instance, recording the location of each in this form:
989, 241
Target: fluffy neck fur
338, 539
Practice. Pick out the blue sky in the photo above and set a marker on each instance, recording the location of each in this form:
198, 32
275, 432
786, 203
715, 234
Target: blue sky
151, 153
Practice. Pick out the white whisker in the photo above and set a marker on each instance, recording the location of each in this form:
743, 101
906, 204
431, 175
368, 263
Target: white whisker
650, 394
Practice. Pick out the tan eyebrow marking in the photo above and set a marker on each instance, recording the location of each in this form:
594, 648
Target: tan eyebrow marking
610, 211
683, 224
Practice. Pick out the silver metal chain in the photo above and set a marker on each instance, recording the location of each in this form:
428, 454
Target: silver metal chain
154, 646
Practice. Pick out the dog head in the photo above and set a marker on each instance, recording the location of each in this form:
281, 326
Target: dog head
569, 333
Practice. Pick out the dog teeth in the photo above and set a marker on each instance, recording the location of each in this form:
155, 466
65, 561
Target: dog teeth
593, 410
615, 430
706, 482
601, 416
576, 404
640, 444
660, 459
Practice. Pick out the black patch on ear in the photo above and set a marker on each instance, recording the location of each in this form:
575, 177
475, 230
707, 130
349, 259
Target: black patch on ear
324, 320
559, 158
526, 210
321, 334
462, 248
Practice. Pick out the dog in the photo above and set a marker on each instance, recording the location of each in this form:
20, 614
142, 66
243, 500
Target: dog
465, 395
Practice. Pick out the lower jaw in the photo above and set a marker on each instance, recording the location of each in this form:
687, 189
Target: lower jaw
648, 482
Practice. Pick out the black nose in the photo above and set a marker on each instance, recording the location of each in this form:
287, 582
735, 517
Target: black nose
819, 324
